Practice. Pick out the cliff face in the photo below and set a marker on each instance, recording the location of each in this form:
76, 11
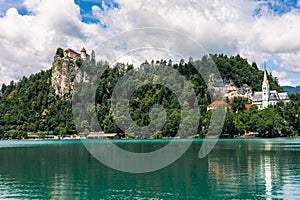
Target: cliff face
232, 91
64, 73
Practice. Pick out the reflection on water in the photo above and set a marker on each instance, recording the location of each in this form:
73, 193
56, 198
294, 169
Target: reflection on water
268, 177
264, 169
235, 169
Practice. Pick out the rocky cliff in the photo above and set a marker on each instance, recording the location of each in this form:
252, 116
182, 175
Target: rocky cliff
64, 73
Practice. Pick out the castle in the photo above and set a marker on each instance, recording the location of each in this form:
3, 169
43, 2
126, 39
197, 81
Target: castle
70, 53
65, 71
268, 97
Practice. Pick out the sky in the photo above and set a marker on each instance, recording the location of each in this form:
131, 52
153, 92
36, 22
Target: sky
259, 30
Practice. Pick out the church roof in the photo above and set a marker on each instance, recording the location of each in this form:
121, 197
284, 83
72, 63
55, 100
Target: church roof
257, 96
83, 49
273, 95
283, 96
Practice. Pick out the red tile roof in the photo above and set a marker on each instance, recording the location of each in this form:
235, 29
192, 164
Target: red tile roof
218, 103
71, 50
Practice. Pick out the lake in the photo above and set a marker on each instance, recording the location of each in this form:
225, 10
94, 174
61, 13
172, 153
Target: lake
235, 169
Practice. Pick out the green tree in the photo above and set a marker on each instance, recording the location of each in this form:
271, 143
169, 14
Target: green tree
229, 129
269, 123
93, 58
60, 52
238, 103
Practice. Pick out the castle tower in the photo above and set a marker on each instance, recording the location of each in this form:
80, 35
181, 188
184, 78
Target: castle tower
83, 54
265, 90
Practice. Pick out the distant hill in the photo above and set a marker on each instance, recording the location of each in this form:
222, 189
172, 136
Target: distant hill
290, 89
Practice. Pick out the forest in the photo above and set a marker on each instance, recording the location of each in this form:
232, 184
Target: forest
30, 106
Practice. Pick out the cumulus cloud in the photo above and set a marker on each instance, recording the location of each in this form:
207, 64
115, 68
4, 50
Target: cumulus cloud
215, 24
220, 26
279, 34
291, 59
228, 27
28, 42
281, 76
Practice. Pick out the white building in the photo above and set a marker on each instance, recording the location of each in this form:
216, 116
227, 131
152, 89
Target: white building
266, 97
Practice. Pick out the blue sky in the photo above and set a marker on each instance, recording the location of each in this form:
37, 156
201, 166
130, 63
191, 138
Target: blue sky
279, 6
256, 29
86, 8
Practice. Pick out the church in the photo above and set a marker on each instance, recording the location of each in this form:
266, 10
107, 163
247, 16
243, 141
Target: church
266, 97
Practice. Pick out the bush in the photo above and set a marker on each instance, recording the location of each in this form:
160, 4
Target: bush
79, 62
1, 132
42, 134
62, 132
60, 52
15, 134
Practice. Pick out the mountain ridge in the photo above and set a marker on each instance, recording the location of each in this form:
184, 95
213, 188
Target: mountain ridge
291, 89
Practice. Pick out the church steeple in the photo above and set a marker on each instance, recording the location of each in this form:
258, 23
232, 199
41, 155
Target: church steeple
265, 75
265, 89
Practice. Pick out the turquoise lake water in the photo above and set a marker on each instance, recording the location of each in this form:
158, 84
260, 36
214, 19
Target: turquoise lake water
235, 169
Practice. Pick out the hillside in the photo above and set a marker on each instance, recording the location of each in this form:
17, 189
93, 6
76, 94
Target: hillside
290, 89
33, 105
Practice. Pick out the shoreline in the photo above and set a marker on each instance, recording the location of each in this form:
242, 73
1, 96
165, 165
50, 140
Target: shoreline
150, 139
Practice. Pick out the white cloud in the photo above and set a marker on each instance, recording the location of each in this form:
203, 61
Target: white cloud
278, 34
221, 26
228, 27
29, 42
278, 74
282, 77
215, 24
291, 60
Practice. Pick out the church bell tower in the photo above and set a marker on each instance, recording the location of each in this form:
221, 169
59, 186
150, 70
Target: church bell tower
265, 89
